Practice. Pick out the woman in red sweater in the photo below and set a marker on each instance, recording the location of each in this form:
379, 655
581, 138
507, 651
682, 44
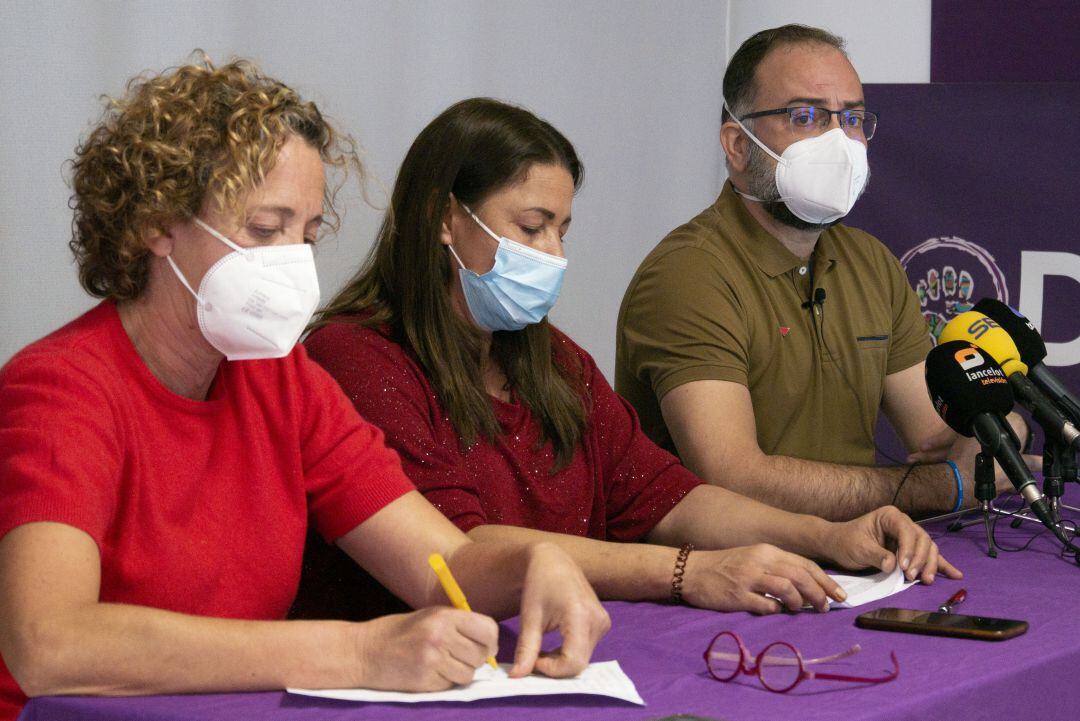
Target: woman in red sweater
161, 454
509, 428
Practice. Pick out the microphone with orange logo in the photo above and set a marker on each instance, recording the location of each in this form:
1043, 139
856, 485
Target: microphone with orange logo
970, 392
984, 332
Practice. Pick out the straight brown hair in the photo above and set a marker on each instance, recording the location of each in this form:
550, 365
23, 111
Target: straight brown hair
472, 149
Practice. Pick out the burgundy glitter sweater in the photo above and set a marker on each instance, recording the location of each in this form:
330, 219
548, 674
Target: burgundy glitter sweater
618, 485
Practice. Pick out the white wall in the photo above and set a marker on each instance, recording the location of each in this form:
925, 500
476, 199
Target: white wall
889, 42
635, 86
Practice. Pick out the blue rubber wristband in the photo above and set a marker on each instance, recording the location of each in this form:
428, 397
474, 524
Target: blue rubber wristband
959, 486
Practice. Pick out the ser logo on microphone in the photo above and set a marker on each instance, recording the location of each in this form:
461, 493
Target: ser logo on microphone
970, 358
979, 327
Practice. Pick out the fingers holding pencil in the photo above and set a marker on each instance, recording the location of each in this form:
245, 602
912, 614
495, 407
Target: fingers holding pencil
453, 591
555, 596
431, 649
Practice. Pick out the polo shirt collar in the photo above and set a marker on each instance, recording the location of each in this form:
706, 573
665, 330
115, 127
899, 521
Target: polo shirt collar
768, 253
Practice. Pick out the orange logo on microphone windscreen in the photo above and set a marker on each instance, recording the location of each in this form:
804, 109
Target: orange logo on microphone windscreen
968, 358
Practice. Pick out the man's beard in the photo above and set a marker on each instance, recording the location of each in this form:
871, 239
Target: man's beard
761, 169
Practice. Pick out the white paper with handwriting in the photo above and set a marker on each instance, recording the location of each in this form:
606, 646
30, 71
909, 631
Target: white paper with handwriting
601, 679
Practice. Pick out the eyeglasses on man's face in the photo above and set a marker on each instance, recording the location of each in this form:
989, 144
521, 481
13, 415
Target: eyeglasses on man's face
809, 120
780, 667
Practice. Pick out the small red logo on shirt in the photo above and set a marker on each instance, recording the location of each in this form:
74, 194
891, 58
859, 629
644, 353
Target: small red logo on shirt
784, 330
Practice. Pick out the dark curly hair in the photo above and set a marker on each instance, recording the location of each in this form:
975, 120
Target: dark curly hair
174, 141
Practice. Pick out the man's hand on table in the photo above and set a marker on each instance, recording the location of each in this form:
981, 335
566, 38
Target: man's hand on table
865, 542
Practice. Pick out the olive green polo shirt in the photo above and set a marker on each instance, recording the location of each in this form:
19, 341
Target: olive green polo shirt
721, 299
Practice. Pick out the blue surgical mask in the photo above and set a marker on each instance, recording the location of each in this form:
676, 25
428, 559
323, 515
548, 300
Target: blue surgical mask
519, 290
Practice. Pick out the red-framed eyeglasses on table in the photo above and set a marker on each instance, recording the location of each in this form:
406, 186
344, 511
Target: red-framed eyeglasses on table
780, 667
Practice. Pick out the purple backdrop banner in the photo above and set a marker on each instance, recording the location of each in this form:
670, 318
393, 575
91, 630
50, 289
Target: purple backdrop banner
1004, 41
975, 188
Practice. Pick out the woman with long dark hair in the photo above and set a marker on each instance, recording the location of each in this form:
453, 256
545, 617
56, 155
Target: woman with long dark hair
508, 427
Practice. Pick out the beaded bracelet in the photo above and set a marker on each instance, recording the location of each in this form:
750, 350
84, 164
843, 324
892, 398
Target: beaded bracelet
680, 569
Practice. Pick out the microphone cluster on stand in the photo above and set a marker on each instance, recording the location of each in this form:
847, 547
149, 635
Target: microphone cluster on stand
1059, 455
985, 361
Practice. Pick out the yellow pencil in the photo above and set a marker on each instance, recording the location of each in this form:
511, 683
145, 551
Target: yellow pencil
453, 590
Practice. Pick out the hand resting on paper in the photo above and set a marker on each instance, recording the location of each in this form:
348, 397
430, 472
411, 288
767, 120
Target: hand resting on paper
879, 538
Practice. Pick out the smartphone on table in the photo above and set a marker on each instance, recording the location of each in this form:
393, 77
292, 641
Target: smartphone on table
941, 624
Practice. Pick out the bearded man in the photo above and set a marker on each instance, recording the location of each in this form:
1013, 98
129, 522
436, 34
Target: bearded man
759, 340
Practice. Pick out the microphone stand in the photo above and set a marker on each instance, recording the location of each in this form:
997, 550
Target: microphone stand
1059, 468
1068, 471
986, 492
1053, 476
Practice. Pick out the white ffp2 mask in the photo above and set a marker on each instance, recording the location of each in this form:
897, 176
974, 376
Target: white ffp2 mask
820, 178
255, 302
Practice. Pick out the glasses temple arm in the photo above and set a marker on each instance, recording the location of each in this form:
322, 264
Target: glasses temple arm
836, 656
860, 679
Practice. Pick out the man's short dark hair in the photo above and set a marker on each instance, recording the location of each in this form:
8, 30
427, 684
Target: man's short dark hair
739, 89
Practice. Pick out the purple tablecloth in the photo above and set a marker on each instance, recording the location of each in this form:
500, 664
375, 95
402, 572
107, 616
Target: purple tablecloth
660, 647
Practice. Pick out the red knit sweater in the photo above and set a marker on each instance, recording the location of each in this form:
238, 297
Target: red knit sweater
199, 507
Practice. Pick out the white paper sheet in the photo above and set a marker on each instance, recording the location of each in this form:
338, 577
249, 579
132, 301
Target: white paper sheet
601, 679
864, 589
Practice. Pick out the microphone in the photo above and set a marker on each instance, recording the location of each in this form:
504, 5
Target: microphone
970, 393
1032, 352
976, 328
818, 299
1020, 329
966, 386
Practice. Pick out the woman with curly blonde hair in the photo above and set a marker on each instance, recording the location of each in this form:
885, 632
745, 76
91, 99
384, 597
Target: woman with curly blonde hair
161, 454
